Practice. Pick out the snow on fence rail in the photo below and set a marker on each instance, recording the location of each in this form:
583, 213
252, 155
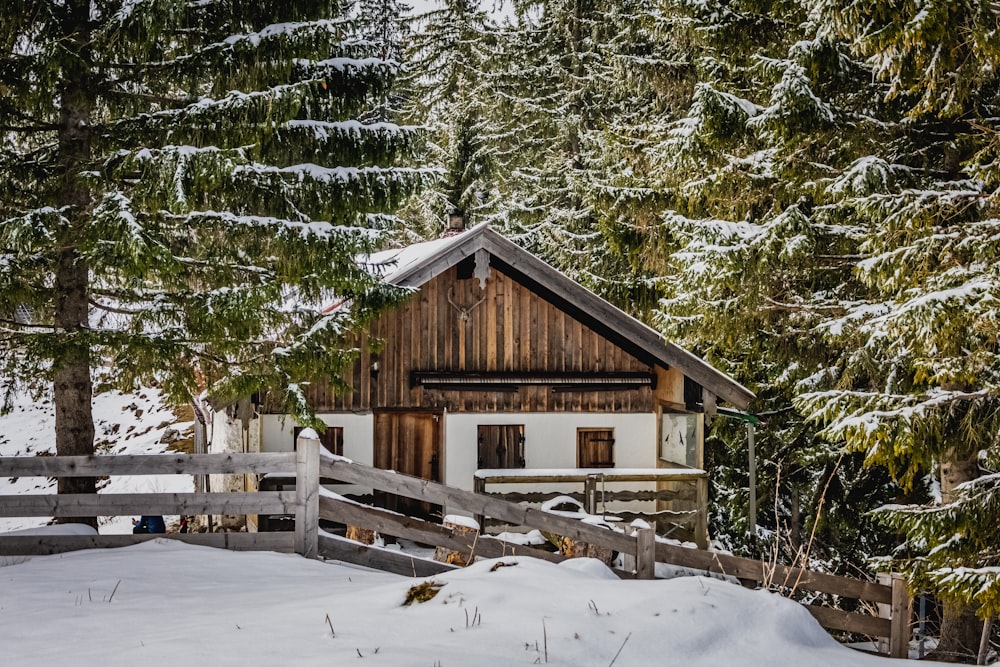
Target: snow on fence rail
310, 504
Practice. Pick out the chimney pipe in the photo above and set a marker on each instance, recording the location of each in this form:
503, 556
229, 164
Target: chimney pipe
454, 223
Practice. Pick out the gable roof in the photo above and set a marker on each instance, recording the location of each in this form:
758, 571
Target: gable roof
415, 265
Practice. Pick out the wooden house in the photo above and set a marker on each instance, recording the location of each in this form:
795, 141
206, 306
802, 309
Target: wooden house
500, 361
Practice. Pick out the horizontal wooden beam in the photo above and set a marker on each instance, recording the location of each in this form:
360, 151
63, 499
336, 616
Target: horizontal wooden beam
487, 379
668, 475
349, 551
474, 503
845, 621
119, 504
409, 528
141, 464
39, 545
772, 575
610, 496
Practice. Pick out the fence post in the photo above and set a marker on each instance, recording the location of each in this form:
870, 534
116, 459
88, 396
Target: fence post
307, 493
701, 515
984, 641
645, 553
884, 611
479, 486
590, 493
899, 637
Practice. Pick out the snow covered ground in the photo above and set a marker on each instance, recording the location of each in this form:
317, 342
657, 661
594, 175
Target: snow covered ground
124, 424
166, 603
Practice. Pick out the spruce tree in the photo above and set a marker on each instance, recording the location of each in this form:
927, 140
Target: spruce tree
765, 262
918, 393
582, 86
183, 184
450, 60
835, 190
382, 23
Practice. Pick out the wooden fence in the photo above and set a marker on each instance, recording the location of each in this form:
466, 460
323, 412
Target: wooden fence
684, 491
310, 502
119, 504
646, 551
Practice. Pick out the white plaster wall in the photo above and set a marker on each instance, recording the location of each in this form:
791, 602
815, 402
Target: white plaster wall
226, 435
549, 440
276, 436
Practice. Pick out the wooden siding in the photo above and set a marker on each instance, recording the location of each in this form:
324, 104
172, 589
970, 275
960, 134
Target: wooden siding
670, 387
506, 327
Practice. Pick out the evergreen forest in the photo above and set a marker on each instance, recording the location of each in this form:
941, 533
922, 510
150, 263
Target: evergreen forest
803, 192
806, 193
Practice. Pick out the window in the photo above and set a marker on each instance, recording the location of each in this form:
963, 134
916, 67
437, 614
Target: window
332, 439
679, 438
501, 446
595, 447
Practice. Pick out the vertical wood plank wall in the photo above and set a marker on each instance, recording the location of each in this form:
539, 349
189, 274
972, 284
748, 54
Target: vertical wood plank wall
511, 329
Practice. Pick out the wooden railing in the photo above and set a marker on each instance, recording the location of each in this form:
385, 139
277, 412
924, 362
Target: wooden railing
120, 504
458, 500
686, 514
310, 503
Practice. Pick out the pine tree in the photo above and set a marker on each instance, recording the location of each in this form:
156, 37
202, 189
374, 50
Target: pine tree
765, 261
382, 23
183, 183
919, 391
582, 86
450, 83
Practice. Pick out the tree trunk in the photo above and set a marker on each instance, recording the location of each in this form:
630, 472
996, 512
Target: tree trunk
794, 521
960, 635
72, 386
960, 629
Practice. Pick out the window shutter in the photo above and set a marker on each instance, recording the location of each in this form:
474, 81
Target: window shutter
595, 447
501, 446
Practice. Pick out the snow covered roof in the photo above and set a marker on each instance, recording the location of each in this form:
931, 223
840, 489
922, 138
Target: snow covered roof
415, 265
394, 263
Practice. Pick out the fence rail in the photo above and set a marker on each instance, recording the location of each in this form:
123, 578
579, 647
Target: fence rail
691, 510
121, 504
646, 551
310, 504
146, 464
36, 545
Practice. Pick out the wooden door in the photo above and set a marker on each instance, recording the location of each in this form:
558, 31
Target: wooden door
410, 443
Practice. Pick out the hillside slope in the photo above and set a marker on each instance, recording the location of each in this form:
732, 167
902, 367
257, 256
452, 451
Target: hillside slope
139, 423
